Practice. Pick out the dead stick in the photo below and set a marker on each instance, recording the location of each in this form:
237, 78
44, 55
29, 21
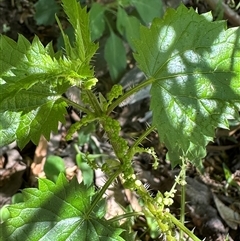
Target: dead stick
229, 14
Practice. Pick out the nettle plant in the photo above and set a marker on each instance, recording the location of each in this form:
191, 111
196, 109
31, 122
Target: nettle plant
117, 20
192, 65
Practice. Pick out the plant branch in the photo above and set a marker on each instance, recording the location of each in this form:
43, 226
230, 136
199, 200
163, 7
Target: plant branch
128, 93
99, 195
229, 14
142, 137
125, 215
182, 212
77, 106
182, 227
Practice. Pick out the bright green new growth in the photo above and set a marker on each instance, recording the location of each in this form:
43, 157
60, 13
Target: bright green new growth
33, 79
196, 88
58, 212
83, 49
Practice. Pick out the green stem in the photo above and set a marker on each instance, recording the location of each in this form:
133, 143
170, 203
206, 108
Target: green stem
98, 197
182, 213
128, 93
94, 103
182, 227
77, 149
125, 215
108, 24
77, 106
142, 137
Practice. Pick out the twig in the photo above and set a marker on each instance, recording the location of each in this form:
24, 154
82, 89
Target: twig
229, 14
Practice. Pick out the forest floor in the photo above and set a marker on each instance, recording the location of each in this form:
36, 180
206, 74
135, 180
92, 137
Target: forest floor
212, 197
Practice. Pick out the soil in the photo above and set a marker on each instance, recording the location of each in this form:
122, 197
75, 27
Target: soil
212, 203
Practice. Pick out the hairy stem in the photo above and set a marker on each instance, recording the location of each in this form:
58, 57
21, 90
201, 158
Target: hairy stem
77, 106
98, 197
128, 93
125, 215
182, 213
142, 137
94, 103
183, 228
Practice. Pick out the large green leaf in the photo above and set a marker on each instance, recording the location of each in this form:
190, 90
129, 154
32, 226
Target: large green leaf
33, 79
41, 112
58, 212
32, 82
195, 68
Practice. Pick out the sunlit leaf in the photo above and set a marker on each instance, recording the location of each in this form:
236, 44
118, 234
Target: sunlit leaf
32, 85
195, 68
33, 79
83, 49
58, 212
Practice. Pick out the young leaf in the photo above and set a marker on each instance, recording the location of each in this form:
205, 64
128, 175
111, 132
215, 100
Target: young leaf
53, 166
196, 88
115, 55
58, 212
33, 80
23, 64
83, 49
45, 11
148, 10
97, 22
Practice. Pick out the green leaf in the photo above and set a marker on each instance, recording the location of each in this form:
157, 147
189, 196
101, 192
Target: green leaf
53, 166
9, 122
41, 121
23, 64
58, 212
115, 55
195, 68
45, 11
33, 78
148, 10
83, 49
42, 109
128, 26
97, 21
17, 198
32, 113
4, 214
124, 3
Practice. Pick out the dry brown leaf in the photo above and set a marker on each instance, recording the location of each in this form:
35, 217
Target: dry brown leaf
231, 217
39, 158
